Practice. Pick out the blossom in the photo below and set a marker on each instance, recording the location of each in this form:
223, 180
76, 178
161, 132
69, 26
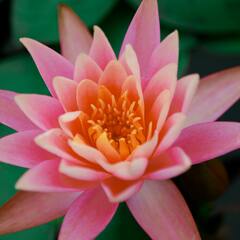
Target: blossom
113, 130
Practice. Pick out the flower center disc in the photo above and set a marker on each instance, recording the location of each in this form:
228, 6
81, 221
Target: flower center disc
119, 119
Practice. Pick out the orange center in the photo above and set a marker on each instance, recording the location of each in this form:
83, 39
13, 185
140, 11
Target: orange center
120, 119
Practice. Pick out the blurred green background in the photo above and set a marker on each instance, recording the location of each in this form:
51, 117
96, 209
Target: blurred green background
209, 41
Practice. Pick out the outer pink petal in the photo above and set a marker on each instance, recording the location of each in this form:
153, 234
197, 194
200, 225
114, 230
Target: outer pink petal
66, 90
74, 35
49, 63
20, 149
86, 68
168, 165
184, 93
82, 172
87, 216
118, 190
11, 115
144, 33
161, 211
165, 53
46, 177
40, 109
101, 50
206, 141
221, 90
26, 210
56, 142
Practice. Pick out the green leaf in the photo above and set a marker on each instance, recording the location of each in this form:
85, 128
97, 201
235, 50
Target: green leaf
223, 46
215, 16
19, 73
123, 226
38, 19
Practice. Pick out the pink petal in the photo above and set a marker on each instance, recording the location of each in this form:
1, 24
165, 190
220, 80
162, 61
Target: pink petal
70, 123
86, 68
118, 190
86, 95
40, 109
11, 115
87, 216
206, 141
161, 211
127, 170
164, 79
66, 90
184, 93
74, 39
221, 89
87, 152
49, 63
159, 110
101, 50
56, 142
168, 165
46, 177
144, 33
130, 62
82, 172
113, 77
171, 130
20, 149
28, 209
165, 53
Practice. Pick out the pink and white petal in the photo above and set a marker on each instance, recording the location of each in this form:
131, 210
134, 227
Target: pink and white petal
56, 142
11, 115
184, 93
170, 132
42, 110
87, 92
144, 33
82, 172
205, 141
145, 150
164, 79
165, 53
87, 152
66, 90
159, 110
163, 202
20, 149
45, 177
16, 215
168, 165
87, 216
101, 51
221, 89
74, 39
130, 62
49, 63
118, 190
70, 123
113, 77
86, 68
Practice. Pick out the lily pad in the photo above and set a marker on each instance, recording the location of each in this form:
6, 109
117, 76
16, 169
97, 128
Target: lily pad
38, 19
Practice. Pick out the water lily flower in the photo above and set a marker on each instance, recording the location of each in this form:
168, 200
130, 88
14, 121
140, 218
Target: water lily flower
113, 130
